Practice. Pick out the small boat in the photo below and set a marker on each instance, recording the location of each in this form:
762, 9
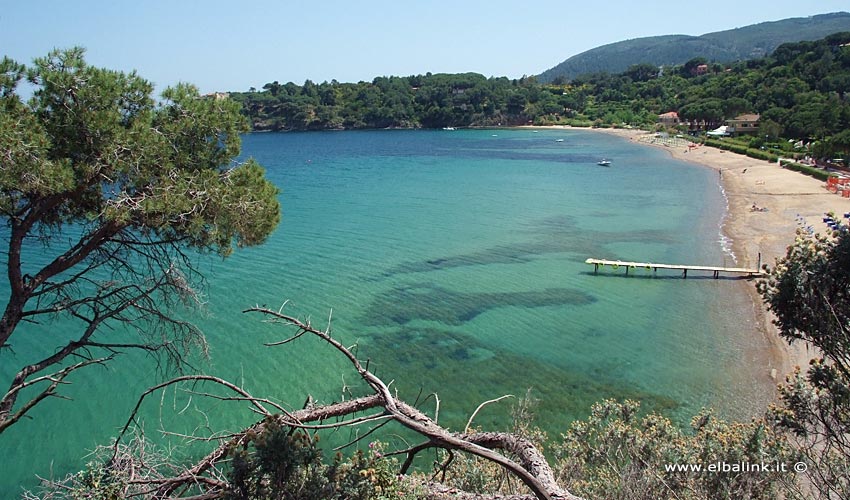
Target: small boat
559, 140
604, 163
449, 128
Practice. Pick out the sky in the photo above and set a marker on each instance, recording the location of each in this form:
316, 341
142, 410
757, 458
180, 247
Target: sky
232, 46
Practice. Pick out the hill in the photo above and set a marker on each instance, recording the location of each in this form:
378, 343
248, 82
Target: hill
749, 42
800, 91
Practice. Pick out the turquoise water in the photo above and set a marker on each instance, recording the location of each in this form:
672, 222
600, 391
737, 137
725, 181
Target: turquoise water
455, 262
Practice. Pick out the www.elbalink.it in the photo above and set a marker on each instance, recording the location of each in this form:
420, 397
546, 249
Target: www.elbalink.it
738, 467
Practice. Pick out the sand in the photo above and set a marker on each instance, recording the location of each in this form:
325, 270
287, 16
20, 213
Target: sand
791, 200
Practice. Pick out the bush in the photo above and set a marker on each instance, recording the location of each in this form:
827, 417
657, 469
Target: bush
736, 146
618, 454
756, 142
577, 122
762, 155
815, 172
282, 463
807, 291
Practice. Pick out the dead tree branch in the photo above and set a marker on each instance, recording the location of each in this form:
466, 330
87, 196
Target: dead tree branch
139, 284
529, 464
53, 381
482, 405
533, 470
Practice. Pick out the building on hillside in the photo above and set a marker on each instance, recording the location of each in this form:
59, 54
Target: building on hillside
700, 70
217, 95
743, 124
670, 119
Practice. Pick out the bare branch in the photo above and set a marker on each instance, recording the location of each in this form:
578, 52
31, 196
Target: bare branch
55, 379
533, 471
531, 467
411, 454
286, 341
186, 378
482, 405
318, 413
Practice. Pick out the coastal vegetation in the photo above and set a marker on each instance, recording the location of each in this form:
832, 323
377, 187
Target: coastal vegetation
121, 194
807, 290
800, 91
430, 101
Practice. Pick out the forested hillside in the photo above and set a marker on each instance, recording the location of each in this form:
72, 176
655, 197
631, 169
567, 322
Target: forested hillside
800, 92
429, 101
748, 42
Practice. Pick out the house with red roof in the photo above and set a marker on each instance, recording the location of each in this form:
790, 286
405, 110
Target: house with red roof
670, 119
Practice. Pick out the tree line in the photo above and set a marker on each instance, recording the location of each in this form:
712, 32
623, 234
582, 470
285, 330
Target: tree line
800, 90
429, 101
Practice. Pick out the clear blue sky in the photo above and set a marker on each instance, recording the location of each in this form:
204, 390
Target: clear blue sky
232, 45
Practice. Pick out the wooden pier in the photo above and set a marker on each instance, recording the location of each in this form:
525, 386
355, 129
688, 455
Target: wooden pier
617, 264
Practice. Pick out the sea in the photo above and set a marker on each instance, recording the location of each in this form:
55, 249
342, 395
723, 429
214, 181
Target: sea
453, 264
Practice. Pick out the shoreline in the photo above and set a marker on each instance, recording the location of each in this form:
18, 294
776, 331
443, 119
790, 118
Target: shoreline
791, 199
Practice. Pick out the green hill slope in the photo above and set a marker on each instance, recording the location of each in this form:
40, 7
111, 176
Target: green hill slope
747, 42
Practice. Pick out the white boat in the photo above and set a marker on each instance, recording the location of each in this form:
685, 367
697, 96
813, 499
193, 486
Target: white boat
604, 163
449, 128
559, 140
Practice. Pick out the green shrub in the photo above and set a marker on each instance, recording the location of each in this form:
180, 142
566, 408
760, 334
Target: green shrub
817, 173
742, 148
756, 142
618, 454
283, 463
97, 482
578, 122
762, 155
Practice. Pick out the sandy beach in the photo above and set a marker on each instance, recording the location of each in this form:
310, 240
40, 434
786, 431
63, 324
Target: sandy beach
790, 200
